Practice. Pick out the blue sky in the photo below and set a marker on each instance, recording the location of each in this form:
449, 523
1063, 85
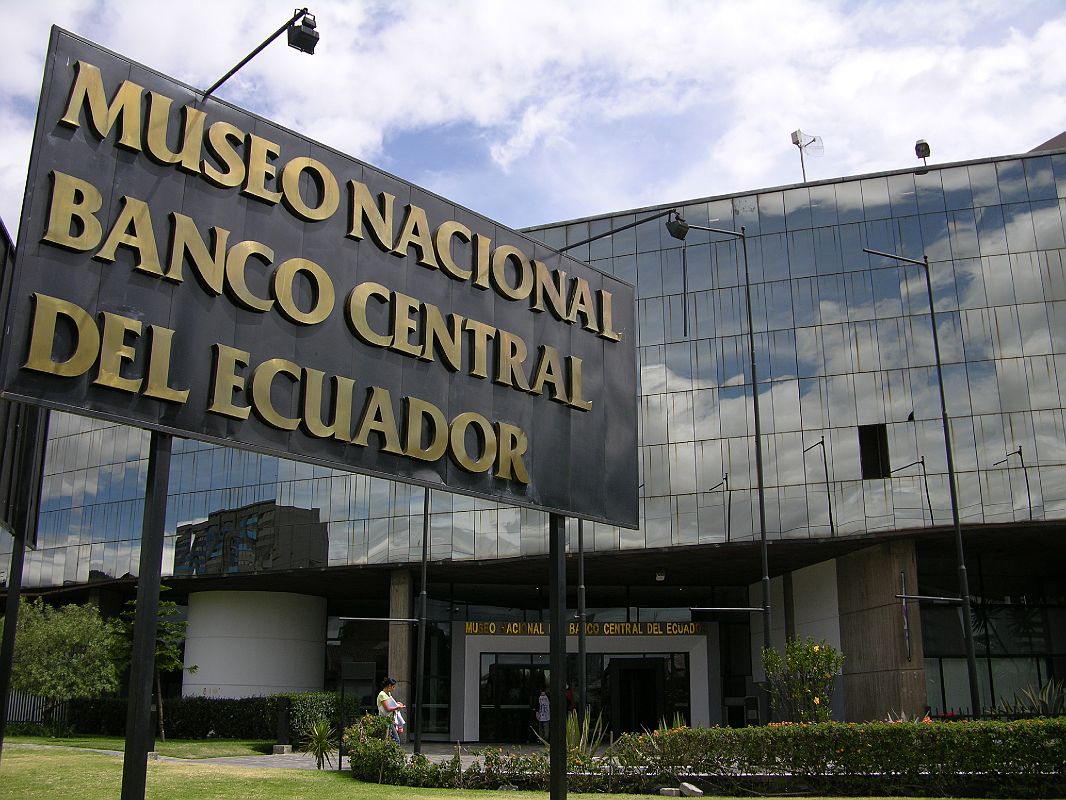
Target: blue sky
536, 112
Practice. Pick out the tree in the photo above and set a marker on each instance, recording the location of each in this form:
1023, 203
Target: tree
68, 652
169, 638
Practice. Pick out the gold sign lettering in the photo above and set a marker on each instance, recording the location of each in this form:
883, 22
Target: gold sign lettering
125, 108
612, 629
129, 354
110, 348
72, 222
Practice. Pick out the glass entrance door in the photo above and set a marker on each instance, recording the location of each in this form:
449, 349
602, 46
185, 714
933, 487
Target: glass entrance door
508, 695
637, 690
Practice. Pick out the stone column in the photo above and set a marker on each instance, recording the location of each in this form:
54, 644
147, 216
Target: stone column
401, 634
878, 675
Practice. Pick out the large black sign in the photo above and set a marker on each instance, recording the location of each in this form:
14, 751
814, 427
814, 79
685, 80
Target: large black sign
189, 267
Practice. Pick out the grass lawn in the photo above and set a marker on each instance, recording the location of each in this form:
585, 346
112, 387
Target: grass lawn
47, 774
175, 748
34, 774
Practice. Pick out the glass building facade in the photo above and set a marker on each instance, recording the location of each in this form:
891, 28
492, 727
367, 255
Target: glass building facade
847, 391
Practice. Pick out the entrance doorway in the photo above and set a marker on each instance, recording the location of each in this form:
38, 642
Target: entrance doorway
508, 695
637, 691
627, 691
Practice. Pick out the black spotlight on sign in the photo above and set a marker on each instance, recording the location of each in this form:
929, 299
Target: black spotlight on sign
304, 37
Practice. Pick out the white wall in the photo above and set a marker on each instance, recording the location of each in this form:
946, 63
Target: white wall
254, 643
466, 693
814, 603
814, 610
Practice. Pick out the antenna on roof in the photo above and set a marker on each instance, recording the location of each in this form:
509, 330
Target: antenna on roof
804, 141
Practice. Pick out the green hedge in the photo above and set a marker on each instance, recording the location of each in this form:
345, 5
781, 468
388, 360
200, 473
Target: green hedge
1025, 758
225, 718
1021, 758
106, 715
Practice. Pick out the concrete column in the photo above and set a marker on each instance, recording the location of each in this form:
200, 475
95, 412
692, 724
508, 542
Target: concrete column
401, 634
879, 677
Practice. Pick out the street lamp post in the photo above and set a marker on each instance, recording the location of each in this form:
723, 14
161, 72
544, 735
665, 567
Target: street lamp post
582, 678
828, 489
678, 228
964, 583
1025, 472
724, 483
925, 481
420, 670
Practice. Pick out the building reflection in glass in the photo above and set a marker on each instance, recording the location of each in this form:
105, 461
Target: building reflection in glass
255, 538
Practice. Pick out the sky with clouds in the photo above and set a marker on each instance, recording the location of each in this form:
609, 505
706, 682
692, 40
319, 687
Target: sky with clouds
536, 112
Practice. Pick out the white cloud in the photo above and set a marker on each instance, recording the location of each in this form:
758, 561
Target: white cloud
577, 108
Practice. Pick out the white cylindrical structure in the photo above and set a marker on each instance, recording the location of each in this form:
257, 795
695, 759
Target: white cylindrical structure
246, 644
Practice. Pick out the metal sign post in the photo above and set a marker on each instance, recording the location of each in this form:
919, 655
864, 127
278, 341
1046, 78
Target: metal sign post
139, 734
557, 656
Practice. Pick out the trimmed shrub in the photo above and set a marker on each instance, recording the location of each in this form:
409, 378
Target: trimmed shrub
306, 707
222, 717
104, 715
1024, 758
372, 753
225, 718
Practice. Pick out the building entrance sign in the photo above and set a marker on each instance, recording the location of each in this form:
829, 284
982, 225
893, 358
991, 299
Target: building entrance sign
188, 267
615, 629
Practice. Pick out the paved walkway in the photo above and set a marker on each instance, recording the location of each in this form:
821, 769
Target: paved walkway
434, 751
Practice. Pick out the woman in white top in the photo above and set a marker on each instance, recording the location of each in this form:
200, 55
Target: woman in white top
389, 707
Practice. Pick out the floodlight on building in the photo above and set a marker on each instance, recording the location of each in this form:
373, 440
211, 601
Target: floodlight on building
304, 36
922, 150
677, 226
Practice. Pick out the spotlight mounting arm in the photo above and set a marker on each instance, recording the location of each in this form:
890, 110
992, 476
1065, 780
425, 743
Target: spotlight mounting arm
305, 42
679, 229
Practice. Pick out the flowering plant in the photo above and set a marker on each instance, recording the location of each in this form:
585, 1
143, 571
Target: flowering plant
801, 683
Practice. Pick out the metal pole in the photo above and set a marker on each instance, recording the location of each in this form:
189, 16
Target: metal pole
925, 480
24, 430
255, 52
728, 508
928, 496
421, 668
828, 490
684, 285
625, 227
1025, 472
557, 656
11, 616
960, 557
344, 724
582, 676
139, 735
758, 458
964, 583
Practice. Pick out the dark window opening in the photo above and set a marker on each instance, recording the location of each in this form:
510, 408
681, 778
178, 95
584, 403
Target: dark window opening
873, 451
